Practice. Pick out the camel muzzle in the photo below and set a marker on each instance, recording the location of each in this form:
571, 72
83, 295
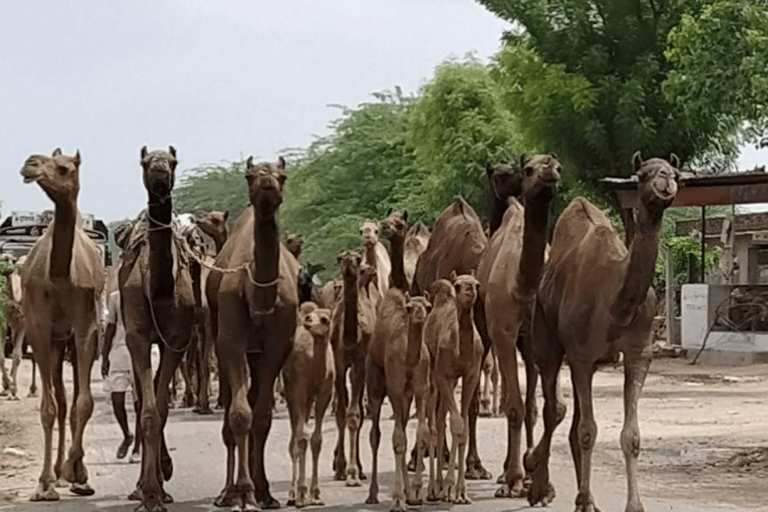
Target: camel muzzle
30, 175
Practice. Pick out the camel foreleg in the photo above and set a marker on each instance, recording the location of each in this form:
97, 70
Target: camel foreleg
635, 371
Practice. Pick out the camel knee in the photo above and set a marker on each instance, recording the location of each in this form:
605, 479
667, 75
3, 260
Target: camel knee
83, 406
630, 442
150, 423
48, 412
316, 441
515, 413
353, 418
587, 433
239, 421
398, 441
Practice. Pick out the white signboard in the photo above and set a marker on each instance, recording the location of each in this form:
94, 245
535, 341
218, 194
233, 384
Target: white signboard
20, 219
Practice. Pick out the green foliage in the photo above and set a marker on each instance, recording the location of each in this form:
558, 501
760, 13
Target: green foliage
4, 266
596, 81
212, 186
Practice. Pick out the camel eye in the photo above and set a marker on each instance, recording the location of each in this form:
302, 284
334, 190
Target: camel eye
324, 321
62, 170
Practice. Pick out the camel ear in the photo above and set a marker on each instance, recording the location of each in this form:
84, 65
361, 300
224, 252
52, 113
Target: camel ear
338, 259
674, 160
488, 169
405, 215
407, 296
144, 152
226, 215
281, 162
172, 151
389, 212
453, 275
472, 272
523, 159
56, 152
249, 162
637, 161
77, 158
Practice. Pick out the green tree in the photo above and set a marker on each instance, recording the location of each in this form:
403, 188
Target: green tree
596, 81
212, 186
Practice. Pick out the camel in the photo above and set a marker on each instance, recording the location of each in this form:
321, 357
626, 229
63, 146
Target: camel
295, 242
455, 346
375, 254
509, 274
351, 330
308, 376
256, 309
396, 229
306, 282
14, 324
157, 304
489, 396
214, 224
330, 293
416, 241
397, 366
594, 301
62, 281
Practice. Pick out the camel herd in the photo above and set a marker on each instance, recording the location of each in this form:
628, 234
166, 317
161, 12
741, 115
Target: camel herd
404, 323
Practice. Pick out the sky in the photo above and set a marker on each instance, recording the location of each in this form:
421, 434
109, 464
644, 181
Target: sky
218, 80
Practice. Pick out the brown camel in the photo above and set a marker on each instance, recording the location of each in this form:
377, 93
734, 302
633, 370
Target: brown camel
416, 241
295, 242
457, 351
61, 282
489, 395
509, 274
375, 254
396, 229
308, 375
397, 366
330, 293
256, 309
157, 304
351, 330
14, 324
594, 301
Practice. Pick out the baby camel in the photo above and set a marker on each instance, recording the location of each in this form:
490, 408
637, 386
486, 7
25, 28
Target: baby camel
308, 377
457, 351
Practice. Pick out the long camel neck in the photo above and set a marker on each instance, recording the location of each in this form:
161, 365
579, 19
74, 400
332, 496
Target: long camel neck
161, 282
415, 339
534, 244
219, 239
64, 220
397, 277
497, 207
349, 334
266, 259
640, 267
466, 327
370, 256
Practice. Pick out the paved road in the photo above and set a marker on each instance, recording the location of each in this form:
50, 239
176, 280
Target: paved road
199, 471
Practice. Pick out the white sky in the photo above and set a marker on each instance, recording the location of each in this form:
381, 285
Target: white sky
216, 79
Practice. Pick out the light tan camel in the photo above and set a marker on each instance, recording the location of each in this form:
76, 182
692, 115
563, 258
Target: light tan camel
509, 274
14, 324
351, 329
256, 308
214, 224
416, 241
457, 352
489, 395
295, 242
594, 301
308, 375
61, 282
375, 254
157, 304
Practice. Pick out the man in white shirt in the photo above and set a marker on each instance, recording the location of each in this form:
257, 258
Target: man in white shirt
117, 368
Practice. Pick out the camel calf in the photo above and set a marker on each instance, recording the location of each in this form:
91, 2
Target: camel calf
308, 377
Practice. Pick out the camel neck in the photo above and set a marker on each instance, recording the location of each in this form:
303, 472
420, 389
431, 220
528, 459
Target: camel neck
161, 282
370, 255
219, 239
349, 335
266, 259
415, 339
466, 328
639, 268
64, 220
496, 213
397, 277
534, 244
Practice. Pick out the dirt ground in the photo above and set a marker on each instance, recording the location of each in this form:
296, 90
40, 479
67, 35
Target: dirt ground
703, 431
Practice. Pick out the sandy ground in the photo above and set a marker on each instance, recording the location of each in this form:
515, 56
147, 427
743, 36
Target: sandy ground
704, 442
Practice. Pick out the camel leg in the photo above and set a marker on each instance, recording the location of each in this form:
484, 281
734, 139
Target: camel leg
342, 403
474, 466
321, 406
531, 410
225, 498
18, 345
485, 394
204, 370
422, 436
468, 394
169, 362
33, 386
635, 371
400, 406
59, 393
448, 403
3, 370
376, 392
495, 387
298, 448
433, 491
586, 434
354, 420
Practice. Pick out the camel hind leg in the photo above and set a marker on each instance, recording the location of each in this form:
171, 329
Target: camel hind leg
342, 403
58, 350
376, 388
583, 434
635, 371
18, 345
316, 441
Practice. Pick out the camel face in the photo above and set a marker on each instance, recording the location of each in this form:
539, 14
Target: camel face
396, 225
58, 175
318, 322
466, 287
541, 174
294, 242
212, 222
658, 181
349, 263
418, 308
505, 181
265, 185
159, 170
370, 232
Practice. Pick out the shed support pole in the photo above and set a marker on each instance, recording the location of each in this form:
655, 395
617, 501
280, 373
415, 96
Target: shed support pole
703, 239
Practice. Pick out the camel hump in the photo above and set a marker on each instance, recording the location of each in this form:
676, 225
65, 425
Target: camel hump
577, 221
460, 206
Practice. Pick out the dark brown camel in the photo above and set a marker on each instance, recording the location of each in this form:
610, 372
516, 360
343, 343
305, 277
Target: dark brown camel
594, 301
61, 282
351, 330
509, 274
256, 309
157, 303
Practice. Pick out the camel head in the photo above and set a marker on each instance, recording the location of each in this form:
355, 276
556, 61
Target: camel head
657, 181
58, 175
369, 230
418, 308
213, 223
265, 185
294, 242
396, 224
540, 176
466, 286
318, 322
505, 181
159, 168
349, 263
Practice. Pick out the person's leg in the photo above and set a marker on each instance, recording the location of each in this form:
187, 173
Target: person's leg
119, 386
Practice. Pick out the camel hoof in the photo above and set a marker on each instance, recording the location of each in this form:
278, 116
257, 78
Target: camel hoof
32, 393
82, 489
353, 482
204, 411
49, 494
317, 502
135, 495
269, 504
61, 482
167, 468
506, 492
476, 471
224, 500
14, 397
372, 500
167, 498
